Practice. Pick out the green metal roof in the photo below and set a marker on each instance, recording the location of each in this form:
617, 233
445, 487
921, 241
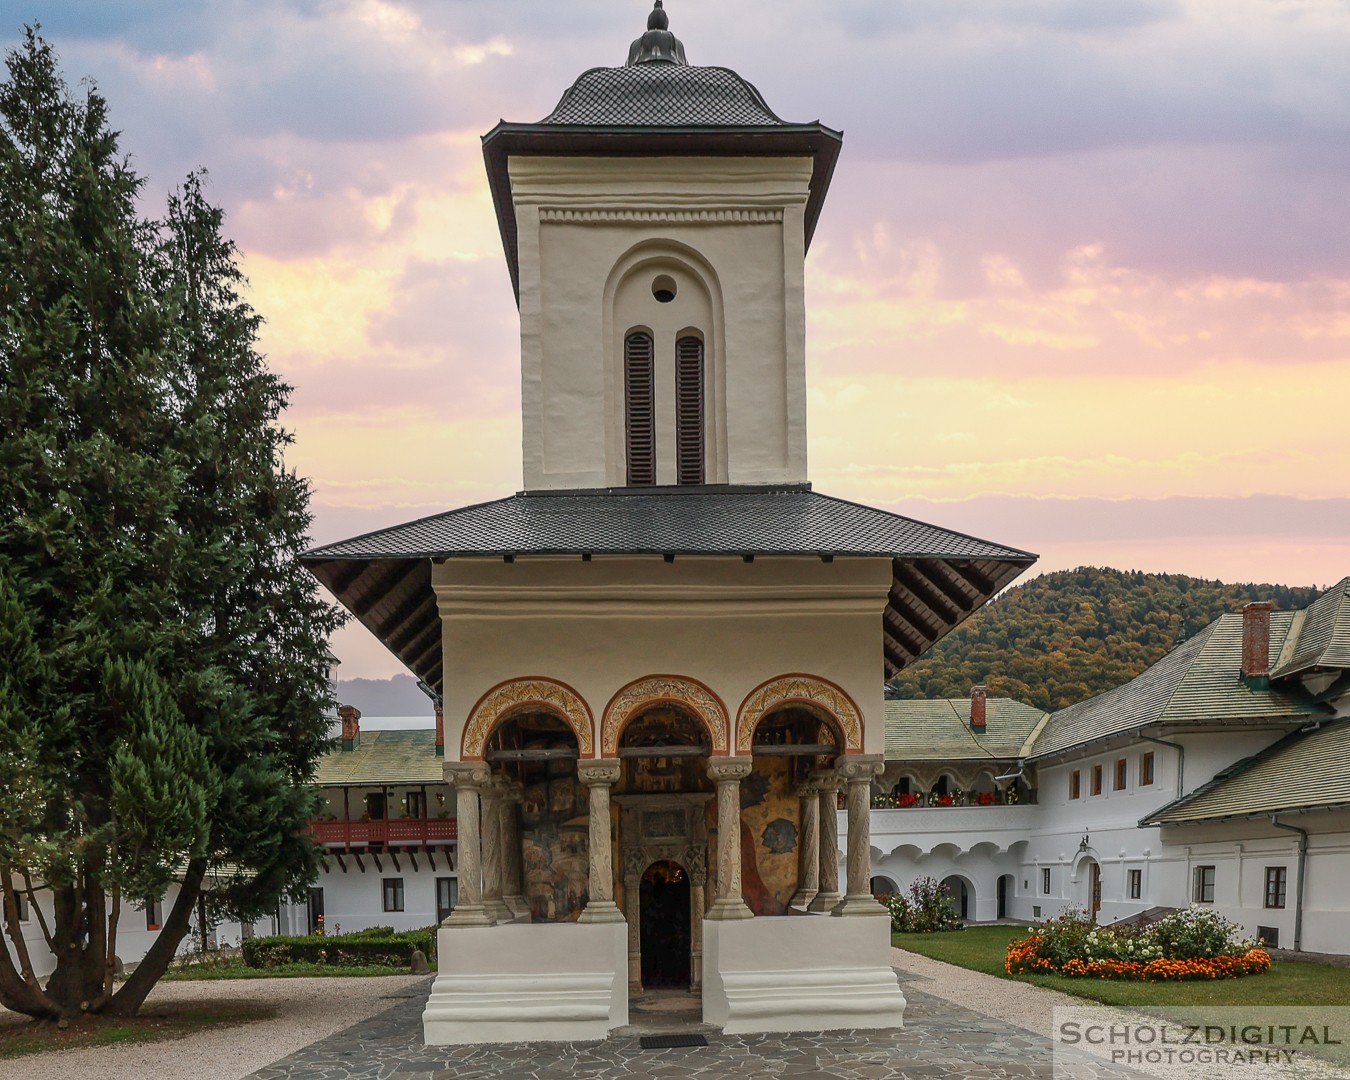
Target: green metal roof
1321, 638
1199, 681
1305, 770
384, 757
940, 729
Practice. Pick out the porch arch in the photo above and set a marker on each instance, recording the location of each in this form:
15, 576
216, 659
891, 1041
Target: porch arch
641, 694
799, 689
522, 695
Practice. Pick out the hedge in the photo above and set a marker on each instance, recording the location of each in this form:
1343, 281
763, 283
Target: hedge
378, 946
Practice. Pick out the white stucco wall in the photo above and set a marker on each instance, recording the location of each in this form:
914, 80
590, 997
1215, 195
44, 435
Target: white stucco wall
599, 625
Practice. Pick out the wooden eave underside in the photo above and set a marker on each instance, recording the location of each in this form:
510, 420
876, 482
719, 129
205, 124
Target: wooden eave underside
394, 600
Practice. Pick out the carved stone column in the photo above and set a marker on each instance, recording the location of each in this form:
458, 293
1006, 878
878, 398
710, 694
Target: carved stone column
599, 775
512, 870
808, 847
858, 771
491, 795
727, 773
469, 777
827, 895
632, 892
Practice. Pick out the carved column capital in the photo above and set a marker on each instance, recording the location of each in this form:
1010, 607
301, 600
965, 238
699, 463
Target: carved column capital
598, 771
468, 775
854, 768
722, 769
825, 780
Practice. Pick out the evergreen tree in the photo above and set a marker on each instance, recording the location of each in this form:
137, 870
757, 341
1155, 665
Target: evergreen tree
163, 656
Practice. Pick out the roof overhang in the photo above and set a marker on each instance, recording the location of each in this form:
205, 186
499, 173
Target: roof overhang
504, 141
394, 599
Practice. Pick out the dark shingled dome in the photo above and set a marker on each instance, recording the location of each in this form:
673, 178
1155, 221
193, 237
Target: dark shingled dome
663, 95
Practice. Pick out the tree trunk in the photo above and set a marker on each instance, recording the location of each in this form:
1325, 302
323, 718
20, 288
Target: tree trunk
128, 1000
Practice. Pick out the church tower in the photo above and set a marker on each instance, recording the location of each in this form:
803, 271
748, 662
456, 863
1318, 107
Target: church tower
655, 225
661, 663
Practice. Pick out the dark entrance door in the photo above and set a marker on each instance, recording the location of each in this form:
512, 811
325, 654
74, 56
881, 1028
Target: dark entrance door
1003, 896
664, 906
315, 909
1095, 885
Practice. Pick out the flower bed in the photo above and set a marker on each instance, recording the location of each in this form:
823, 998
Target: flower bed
1183, 946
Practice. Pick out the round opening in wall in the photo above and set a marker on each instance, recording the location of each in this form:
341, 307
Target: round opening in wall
663, 288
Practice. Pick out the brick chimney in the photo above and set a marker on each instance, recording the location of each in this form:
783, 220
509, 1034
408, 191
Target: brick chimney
351, 726
1256, 644
977, 709
440, 730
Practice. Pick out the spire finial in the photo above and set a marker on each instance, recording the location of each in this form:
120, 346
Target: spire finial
658, 45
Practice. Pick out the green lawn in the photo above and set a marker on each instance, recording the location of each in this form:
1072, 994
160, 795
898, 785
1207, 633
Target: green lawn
19, 1037
982, 948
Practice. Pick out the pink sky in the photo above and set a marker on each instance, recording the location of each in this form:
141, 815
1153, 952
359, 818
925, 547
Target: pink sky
1081, 286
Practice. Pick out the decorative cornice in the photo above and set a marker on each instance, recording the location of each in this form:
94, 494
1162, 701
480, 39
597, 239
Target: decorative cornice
519, 695
798, 689
607, 216
655, 689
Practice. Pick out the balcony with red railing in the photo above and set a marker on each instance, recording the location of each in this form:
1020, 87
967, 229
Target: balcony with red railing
385, 832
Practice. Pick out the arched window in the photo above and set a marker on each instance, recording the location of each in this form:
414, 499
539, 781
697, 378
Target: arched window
689, 410
639, 408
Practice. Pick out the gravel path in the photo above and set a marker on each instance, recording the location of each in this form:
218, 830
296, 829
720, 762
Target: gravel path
307, 1009
1013, 1002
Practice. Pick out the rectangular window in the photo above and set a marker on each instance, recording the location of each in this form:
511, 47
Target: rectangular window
393, 894
1075, 785
153, 914
1146, 769
1035, 911
21, 901
1045, 880
445, 897
1203, 891
1269, 936
1121, 774
1096, 779
415, 804
1136, 884
1277, 878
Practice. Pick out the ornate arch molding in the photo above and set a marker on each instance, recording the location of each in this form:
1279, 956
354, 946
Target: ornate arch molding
798, 689
641, 694
522, 695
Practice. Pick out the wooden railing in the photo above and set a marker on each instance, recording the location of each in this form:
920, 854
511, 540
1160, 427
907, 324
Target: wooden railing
386, 832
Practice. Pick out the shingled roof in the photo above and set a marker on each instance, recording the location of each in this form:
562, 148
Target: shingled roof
940, 576
656, 104
1302, 771
384, 757
1320, 637
939, 729
1200, 681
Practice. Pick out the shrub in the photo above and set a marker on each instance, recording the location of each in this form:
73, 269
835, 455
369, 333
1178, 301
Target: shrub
925, 909
378, 946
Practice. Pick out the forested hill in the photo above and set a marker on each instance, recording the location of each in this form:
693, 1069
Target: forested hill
1074, 634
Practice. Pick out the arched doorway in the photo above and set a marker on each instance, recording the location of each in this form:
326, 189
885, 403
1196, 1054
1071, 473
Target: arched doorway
1093, 873
1005, 892
960, 894
665, 926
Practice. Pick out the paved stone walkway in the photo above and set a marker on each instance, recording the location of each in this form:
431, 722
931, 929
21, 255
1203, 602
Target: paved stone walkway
940, 1039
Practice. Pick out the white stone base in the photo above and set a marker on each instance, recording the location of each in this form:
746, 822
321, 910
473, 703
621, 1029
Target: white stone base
799, 974
558, 982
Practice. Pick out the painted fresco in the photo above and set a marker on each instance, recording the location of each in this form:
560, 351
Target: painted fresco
659, 775
770, 815
555, 828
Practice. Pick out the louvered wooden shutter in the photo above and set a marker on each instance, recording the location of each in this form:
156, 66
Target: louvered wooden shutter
689, 410
639, 408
